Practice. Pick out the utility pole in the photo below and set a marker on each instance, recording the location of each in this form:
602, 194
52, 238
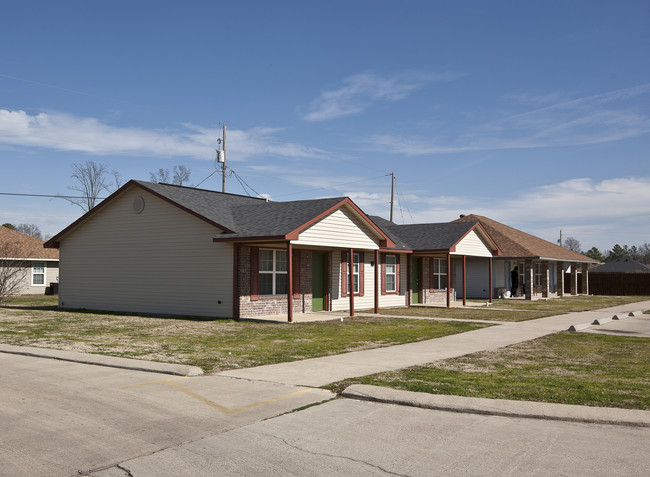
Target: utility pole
560, 241
223, 164
392, 194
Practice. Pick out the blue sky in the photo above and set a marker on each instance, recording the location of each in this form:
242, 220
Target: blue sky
536, 114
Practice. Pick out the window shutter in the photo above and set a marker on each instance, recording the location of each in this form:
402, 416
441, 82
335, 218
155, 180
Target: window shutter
255, 275
296, 274
383, 274
398, 259
431, 277
361, 277
344, 274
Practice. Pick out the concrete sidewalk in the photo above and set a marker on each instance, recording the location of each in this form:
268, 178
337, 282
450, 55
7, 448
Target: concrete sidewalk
321, 371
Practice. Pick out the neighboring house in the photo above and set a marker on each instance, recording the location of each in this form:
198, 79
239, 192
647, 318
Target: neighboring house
158, 248
620, 277
440, 254
25, 258
621, 265
540, 263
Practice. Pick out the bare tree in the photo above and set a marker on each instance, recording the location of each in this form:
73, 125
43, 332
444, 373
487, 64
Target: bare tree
161, 176
180, 177
29, 229
117, 180
572, 244
12, 270
91, 181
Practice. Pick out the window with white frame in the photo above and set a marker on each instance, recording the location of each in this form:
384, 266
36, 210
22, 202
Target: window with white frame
355, 272
273, 272
391, 273
538, 274
38, 273
439, 273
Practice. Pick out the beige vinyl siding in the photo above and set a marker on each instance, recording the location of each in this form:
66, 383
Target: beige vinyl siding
396, 300
342, 228
367, 301
26, 287
161, 260
472, 245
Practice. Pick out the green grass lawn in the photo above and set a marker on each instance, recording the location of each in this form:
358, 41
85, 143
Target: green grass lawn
568, 368
212, 344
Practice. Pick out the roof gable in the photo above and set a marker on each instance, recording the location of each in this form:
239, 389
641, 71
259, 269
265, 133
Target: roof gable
518, 244
443, 236
237, 217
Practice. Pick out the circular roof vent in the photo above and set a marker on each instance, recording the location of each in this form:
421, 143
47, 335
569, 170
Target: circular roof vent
138, 204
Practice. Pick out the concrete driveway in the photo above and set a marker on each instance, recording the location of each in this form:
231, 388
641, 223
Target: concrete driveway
62, 418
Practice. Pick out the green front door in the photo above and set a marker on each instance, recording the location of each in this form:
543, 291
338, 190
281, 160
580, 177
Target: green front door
318, 279
415, 279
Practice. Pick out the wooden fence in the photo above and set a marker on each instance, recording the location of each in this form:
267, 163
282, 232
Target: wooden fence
619, 283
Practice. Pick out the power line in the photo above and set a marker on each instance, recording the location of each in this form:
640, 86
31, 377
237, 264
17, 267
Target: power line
333, 185
48, 196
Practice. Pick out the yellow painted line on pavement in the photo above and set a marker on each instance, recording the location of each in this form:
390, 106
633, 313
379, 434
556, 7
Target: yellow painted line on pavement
161, 381
172, 382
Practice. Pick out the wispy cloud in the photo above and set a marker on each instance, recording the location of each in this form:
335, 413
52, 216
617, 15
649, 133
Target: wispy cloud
360, 91
591, 119
598, 213
67, 132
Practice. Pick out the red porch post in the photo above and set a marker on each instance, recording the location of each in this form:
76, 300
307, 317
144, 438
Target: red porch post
351, 279
408, 280
464, 280
290, 282
490, 272
376, 281
448, 280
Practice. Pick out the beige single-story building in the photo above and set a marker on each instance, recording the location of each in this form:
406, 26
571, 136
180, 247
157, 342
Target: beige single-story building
166, 249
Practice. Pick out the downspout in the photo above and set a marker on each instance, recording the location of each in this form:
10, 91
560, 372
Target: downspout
235, 282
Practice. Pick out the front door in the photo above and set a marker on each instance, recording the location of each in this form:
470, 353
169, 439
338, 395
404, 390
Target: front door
318, 281
415, 279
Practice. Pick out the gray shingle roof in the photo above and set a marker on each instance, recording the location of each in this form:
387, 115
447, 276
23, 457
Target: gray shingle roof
621, 266
214, 206
439, 236
245, 216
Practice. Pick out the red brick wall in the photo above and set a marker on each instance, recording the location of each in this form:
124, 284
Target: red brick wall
272, 305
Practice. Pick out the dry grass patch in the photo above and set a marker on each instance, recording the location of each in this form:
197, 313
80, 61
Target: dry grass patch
213, 344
